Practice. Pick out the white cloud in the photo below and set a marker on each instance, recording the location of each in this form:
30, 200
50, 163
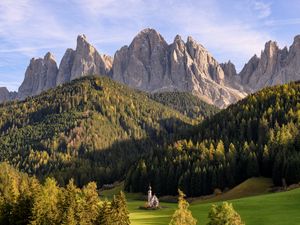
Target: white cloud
282, 22
29, 27
226, 36
263, 9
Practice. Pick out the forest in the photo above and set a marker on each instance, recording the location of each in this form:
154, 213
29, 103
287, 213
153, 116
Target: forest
186, 103
81, 130
258, 136
24, 200
94, 129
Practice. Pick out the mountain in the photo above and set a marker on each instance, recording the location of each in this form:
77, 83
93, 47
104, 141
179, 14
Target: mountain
6, 95
275, 66
40, 75
150, 64
186, 103
83, 61
43, 74
258, 136
84, 128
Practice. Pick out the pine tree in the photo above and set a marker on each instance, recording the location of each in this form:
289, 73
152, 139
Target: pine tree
88, 203
119, 209
105, 214
224, 215
182, 216
45, 209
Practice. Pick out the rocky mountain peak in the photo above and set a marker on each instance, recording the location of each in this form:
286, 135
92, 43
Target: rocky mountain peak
177, 38
49, 56
178, 43
40, 75
229, 69
150, 64
6, 95
296, 39
148, 39
271, 49
149, 33
82, 41
84, 61
275, 66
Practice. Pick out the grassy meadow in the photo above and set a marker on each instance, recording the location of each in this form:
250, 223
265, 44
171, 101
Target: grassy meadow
281, 208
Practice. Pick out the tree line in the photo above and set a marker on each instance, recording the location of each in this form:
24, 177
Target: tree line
24, 200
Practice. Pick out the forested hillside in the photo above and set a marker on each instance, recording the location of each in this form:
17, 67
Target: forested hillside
90, 129
258, 136
186, 103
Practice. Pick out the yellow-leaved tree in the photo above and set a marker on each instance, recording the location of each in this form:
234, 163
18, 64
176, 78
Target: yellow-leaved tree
182, 216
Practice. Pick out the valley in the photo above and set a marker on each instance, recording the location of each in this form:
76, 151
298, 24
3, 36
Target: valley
159, 112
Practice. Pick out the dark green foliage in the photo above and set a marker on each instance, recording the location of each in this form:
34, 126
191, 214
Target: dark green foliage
257, 136
90, 129
187, 104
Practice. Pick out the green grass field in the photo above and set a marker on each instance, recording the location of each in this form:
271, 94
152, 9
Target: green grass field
273, 209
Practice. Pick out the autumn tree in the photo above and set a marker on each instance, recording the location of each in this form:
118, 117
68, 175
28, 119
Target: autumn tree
224, 214
182, 216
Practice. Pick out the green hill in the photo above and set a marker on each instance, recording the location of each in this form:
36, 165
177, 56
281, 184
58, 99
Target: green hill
90, 129
258, 136
186, 103
250, 187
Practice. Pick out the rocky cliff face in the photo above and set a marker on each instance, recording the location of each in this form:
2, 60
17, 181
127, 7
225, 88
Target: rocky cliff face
84, 61
43, 74
6, 95
150, 64
40, 75
275, 66
142, 65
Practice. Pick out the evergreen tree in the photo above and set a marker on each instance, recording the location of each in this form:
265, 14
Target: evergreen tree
182, 216
89, 205
45, 210
119, 209
105, 214
224, 214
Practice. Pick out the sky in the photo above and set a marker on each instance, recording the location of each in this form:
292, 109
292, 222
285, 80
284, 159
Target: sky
230, 29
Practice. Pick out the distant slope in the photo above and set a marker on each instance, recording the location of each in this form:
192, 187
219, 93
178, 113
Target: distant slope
90, 129
250, 187
186, 103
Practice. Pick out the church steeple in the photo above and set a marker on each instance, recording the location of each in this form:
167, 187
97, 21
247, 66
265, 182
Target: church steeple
149, 195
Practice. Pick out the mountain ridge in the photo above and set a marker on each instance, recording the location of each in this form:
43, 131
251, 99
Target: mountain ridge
150, 64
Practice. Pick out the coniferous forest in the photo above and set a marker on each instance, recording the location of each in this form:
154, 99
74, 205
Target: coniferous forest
259, 136
95, 129
92, 129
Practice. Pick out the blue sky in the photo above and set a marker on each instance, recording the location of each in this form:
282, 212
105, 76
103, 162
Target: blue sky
230, 29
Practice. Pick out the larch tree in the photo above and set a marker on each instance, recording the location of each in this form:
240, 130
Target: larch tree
224, 215
120, 212
182, 216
